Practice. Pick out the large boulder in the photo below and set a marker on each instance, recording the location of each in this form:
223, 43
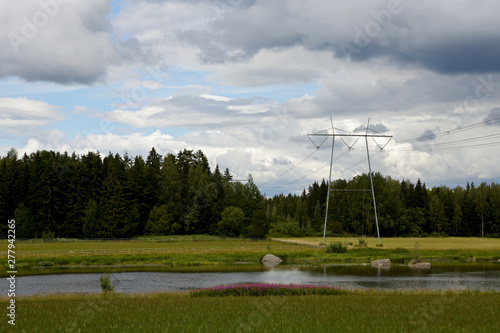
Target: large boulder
271, 259
381, 263
414, 264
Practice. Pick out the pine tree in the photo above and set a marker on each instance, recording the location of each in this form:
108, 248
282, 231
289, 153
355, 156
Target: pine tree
136, 178
92, 220
116, 212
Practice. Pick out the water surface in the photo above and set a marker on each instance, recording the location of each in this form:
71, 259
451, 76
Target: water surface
440, 276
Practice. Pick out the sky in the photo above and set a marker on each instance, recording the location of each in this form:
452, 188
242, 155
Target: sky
246, 81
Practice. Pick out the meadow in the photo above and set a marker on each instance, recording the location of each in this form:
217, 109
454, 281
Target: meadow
424, 243
349, 311
354, 311
39, 257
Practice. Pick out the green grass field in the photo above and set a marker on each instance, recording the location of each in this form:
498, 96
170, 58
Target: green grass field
424, 243
159, 244
36, 257
357, 311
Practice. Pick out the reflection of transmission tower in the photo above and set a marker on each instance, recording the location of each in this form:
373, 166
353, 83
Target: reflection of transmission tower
366, 136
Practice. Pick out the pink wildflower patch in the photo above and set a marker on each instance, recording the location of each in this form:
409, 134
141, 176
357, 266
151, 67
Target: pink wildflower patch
267, 289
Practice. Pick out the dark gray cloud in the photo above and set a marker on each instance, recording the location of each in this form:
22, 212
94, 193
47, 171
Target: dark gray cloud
430, 34
475, 55
66, 43
428, 135
380, 128
494, 117
228, 3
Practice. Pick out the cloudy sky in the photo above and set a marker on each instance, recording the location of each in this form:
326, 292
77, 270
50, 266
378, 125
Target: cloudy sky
246, 81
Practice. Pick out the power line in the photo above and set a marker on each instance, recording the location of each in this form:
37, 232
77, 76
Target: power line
349, 134
457, 130
292, 168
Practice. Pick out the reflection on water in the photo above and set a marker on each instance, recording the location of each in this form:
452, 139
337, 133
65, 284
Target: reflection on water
456, 276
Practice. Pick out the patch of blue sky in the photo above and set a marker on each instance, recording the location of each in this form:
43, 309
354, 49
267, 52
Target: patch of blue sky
116, 6
63, 98
184, 80
123, 129
180, 77
175, 132
10, 141
15, 88
278, 93
74, 124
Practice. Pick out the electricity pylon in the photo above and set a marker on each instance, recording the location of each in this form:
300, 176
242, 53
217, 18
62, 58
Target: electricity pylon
366, 136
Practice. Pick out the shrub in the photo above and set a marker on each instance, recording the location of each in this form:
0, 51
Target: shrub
336, 247
437, 234
106, 284
362, 243
401, 250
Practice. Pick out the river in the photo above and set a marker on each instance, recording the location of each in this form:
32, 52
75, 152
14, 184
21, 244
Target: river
440, 276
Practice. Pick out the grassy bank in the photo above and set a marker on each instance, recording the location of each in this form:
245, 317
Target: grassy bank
424, 243
356, 311
34, 257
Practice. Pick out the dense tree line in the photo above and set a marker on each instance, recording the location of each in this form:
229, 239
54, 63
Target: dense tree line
51, 194
404, 209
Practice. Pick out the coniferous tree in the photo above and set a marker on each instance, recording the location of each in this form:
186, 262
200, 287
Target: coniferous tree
25, 226
116, 213
77, 195
4, 215
57, 194
260, 225
152, 174
137, 196
91, 220
437, 214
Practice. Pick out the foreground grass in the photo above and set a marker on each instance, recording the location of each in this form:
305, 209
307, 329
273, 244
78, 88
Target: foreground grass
356, 311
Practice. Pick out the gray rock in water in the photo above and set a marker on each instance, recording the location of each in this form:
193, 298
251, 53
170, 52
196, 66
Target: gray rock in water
419, 264
270, 258
381, 263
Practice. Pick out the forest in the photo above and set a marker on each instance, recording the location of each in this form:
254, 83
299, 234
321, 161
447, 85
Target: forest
52, 194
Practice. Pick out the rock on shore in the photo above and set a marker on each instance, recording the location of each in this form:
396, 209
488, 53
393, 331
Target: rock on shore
270, 258
419, 264
381, 263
